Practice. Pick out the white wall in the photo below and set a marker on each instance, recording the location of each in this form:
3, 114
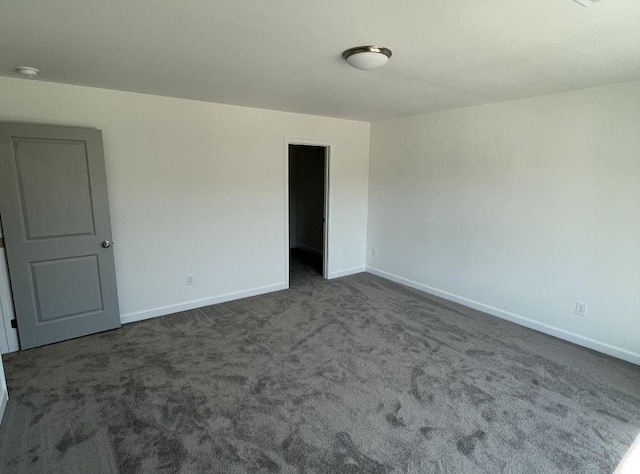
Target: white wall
520, 209
199, 188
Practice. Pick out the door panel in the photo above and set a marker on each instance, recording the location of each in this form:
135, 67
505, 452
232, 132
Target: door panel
54, 185
51, 279
55, 213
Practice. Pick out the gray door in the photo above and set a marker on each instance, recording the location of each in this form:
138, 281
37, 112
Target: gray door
55, 218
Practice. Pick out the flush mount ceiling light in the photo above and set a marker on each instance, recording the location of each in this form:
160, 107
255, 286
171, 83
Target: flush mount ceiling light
28, 71
367, 57
586, 3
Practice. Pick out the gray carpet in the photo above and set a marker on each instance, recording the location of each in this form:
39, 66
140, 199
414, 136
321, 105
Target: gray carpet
356, 375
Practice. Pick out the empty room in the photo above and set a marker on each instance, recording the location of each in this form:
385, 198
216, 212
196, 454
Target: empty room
320, 237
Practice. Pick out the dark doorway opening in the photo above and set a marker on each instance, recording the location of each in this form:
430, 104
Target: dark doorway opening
307, 210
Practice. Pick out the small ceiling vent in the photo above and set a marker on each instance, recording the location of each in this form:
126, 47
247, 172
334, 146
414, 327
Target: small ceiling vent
586, 3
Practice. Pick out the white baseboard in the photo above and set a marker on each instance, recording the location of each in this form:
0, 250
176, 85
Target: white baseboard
3, 403
603, 347
308, 249
175, 308
347, 272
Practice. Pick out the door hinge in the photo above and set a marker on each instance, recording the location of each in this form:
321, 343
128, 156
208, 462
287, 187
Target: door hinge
14, 323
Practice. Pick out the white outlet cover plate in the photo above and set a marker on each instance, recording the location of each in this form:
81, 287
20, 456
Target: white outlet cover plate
581, 308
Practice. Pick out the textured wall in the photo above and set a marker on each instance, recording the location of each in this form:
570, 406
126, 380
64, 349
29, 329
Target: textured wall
199, 188
520, 208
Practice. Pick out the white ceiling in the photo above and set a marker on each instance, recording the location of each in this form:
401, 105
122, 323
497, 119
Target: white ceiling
285, 54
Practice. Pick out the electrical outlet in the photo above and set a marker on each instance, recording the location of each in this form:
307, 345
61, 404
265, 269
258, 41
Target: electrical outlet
581, 308
191, 279
374, 252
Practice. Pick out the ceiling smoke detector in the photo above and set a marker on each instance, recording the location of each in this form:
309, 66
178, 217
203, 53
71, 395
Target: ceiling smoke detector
367, 57
28, 71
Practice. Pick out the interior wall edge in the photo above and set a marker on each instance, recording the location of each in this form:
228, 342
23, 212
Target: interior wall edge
3, 402
8, 334
574, 338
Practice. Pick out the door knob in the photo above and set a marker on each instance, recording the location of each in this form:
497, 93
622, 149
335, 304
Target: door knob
106, 244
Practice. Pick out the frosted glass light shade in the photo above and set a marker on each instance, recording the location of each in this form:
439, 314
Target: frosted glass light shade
28, 71
367, 57
367, 61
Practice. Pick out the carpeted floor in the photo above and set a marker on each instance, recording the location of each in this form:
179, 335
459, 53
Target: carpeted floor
355, 375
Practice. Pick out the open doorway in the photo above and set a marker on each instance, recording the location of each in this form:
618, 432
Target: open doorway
308, 167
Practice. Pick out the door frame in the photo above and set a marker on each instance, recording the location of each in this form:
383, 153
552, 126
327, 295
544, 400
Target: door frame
8, 336
328, 150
